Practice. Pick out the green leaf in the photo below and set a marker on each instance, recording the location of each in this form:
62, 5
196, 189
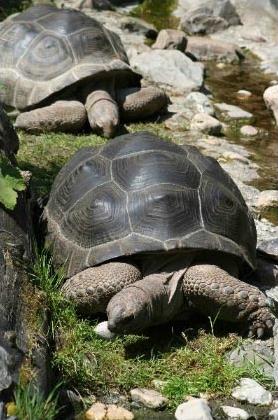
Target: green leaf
11, 182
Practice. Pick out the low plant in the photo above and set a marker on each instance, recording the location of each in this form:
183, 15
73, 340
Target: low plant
30, 404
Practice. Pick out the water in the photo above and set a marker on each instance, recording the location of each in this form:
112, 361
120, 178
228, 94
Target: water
224, 84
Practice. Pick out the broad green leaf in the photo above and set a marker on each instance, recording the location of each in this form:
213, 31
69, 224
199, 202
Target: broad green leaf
11, 182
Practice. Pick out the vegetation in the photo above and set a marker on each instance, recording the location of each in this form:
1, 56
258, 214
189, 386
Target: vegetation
30, 404
157, 12
11, 182
13, 6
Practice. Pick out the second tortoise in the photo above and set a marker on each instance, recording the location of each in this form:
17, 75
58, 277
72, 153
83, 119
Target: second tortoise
147, 230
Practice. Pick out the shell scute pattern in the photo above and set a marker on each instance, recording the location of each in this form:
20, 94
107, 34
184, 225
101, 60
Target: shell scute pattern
44, 50
155, 196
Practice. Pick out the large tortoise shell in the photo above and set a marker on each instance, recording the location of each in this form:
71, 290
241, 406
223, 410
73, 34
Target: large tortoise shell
141, 194
44, 50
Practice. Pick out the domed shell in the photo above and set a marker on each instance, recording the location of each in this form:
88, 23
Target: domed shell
44, 50
141, 194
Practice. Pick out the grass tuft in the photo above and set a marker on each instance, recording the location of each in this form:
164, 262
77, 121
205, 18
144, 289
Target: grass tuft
30, 404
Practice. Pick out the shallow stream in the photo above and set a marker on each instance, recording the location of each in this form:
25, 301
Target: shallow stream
224, 82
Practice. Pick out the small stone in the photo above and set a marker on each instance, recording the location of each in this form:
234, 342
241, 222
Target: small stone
194, 409
234, 413
148, 397
275, 403
248, 131
206, 124
194, 103
178, 122
252, 392
96, 412
267, 199
273, 415
204, 48
273, 82
243, 94
232, 112
102, 330
221, 65
133, 24
235, 156
118, 413
158, 384
170, 39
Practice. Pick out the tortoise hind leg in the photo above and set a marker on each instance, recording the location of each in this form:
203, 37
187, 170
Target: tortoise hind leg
93, 288
214, 292
63, 116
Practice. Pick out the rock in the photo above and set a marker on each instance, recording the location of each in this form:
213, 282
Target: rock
252, 392
204, 48
235, 413
257, 352
6, 365
96, 412
137, 25
209, 16
102, 330
118, 413
84, 4
194, 103
273, 415
232, 112
169, 69
206, 124
244, 94
269, 248
235, 156
248, 131
194, 409
271, 100
148, 398
170, 39
178, 122
267, 199
158, 384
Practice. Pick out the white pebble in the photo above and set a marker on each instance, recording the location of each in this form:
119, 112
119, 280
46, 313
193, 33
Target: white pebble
102, 330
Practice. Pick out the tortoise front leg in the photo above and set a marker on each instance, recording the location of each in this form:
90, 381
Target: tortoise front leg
64, 116
92, 289
212, 291
137, 103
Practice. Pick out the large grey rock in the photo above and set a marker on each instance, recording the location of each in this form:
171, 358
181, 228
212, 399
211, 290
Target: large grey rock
169, 69
170, 39
209, 16
194, 409
6, 363
148, 398
271, 100
205, 48
235, 413
273, 415
252, 392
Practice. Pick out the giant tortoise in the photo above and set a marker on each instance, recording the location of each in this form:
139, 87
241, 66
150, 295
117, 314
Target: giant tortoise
146, 230
64, 58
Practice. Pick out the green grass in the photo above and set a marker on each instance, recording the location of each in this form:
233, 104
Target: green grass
45, 154
30, 404
188, 365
